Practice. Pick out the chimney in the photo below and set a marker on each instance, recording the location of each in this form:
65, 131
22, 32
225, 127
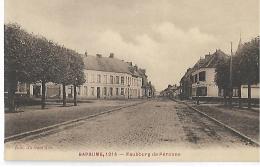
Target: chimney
111, 55
130, 63
136, 67
99, 55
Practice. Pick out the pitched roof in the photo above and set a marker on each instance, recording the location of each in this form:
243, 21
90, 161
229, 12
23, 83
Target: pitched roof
214, 59
107, 64
210, 61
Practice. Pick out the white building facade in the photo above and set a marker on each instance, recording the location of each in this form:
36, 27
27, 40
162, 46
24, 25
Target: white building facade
203, 83
110, 85
109, 78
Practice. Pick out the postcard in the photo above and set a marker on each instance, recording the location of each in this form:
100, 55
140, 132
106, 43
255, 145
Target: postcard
139, 80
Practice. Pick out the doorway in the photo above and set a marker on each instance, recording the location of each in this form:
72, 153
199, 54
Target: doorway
98, 92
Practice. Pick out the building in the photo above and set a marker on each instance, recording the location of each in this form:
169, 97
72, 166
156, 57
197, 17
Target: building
171, 91
185, 88
200, 79
148, 89
109, 78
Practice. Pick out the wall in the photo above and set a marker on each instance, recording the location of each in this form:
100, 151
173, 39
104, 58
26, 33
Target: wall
255, 91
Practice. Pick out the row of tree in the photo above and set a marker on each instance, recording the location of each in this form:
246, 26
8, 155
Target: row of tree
34, 59
245, 70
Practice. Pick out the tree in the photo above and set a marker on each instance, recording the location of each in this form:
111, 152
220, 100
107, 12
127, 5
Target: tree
236, 78
62, 65
44, 68
70, 70
30, 58
222, 77
77, 73
17, 55
248, 61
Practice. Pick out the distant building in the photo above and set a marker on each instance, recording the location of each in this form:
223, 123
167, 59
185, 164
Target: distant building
172, 91
148, 89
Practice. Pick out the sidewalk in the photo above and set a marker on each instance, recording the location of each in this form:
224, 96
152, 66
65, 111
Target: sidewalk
34, 118
243, 120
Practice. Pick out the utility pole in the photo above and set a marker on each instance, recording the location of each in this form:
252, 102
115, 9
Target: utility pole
230, 79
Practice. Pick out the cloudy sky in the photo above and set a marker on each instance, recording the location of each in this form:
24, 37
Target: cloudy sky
163, 36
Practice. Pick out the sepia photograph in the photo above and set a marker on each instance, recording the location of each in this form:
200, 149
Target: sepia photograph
131, 80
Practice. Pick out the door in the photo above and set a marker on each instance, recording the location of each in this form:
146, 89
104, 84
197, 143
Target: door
98, 92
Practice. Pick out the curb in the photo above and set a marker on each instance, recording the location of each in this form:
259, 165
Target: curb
47, 128
252, 141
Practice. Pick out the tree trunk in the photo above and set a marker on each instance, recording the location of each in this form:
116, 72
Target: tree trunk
11, 97
249, 95
12, 85
230, 96
43, 93
64, 95
239, 97
75, 95
225, 96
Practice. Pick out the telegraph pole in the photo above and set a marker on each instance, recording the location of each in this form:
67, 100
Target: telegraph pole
230, 79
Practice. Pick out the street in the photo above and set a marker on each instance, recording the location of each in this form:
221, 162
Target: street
156, 123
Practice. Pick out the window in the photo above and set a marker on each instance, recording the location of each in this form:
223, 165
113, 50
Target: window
117, 91
70, 91
92, 78
105, 79
117, 79
202, 76
111, 91
111, 79
98, 78
86, 90
122, 91
22, 87
86, 77
122, 80
92, 91
105, 91
235, 92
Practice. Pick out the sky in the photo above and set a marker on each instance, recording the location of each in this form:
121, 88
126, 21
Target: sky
163, 36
